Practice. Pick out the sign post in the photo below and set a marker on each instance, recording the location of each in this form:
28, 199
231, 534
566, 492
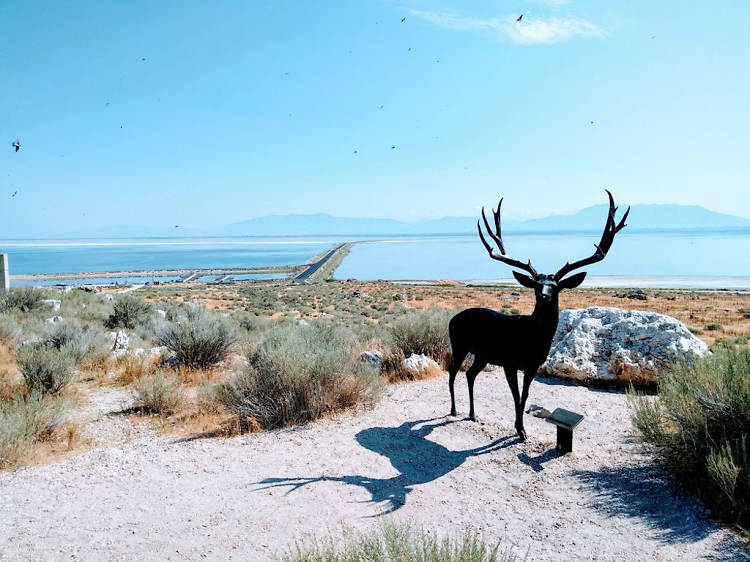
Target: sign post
4, 274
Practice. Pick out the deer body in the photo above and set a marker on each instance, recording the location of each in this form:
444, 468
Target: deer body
517, 342
505, 340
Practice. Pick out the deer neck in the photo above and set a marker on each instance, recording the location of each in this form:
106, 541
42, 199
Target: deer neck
545, 315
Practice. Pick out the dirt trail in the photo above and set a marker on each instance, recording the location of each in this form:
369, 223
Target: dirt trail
250, 497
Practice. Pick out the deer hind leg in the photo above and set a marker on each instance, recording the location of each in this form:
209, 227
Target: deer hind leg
471, 374
528, 376
511, 375
456, 362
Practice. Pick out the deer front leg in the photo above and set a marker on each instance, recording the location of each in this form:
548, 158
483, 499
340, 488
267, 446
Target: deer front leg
528, 376
471, 374
511, 375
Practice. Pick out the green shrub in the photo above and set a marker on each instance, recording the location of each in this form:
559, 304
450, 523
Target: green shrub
424, 331
299, 373
700, 425
158, 393
713, 327
77, 340
399, 543
128, 312
201, 341
22, 298
24, 420
46, 368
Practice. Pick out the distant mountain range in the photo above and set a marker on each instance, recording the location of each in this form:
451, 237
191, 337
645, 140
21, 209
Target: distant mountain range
642, 218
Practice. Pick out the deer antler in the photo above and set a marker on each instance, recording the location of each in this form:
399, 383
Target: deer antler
610, 229
497, 237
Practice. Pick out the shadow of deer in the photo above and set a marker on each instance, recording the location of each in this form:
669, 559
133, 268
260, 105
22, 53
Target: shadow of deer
417, 459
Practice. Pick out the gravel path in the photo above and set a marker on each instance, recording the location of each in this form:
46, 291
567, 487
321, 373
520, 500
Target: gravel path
249, 497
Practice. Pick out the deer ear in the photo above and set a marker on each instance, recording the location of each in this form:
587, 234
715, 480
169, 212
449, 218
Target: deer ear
524, 280
571, 282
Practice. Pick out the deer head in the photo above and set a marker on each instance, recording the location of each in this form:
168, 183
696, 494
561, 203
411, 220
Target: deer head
547, 287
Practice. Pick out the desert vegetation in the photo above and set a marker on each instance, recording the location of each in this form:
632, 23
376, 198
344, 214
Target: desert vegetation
299, 373
399, 543
699, 425
220, 359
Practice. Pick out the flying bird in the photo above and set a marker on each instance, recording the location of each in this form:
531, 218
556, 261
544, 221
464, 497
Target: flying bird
143, 58
355, 152
177, 226
519, 18
381, 107
14, 194
16, 144
403, 19
591, 122
393, 148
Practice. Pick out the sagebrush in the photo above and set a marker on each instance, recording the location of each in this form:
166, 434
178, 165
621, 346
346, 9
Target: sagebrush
299, 373
699, 424
399, 543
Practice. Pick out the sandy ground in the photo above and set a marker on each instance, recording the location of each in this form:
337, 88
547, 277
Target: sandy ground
250, 497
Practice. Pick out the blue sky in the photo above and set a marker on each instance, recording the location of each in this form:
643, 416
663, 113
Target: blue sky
243, 109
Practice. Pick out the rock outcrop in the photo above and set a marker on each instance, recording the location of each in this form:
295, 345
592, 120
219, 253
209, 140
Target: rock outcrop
416, 364
611, 344
120, 342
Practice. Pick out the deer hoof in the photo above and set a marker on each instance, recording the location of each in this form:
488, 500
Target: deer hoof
473, 418
453, 412
521, 433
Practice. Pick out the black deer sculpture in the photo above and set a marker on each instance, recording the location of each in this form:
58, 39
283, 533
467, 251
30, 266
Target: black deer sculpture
518, 342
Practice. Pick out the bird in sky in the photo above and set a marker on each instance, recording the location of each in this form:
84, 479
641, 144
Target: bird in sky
591, 122
355, 152
403, 19
16, 144
143, 58
393, 148
519, 18
14, 194
177, 226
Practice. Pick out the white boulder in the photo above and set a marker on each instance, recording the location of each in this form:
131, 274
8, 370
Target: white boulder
120, 342
53, 303
415, 363
612, 344
372, 358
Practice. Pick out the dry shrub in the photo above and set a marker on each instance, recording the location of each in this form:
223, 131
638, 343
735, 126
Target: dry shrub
424, 332
131, 367
299, 373
26, 419
399, 543
46, 368
199, 342
700, 426
128, 312
159, 393
10, 332
23, 299
81, 342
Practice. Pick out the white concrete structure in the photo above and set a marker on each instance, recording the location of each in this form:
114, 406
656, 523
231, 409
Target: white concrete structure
4, 273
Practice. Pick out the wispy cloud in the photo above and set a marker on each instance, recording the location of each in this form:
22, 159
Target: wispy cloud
529, 31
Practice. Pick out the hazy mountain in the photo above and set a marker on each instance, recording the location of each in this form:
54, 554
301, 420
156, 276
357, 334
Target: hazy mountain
642, 217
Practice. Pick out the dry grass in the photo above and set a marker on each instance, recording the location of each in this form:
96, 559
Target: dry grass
353, 300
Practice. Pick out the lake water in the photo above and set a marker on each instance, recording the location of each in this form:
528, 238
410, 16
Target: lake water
665, 255
709, 259
72, 256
